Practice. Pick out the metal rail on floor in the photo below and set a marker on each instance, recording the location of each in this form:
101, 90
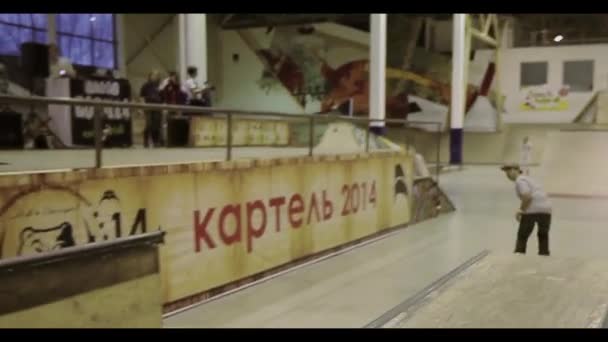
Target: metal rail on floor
419, 297
229, 114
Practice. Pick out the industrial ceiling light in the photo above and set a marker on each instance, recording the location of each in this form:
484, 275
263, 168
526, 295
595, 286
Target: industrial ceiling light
558, 38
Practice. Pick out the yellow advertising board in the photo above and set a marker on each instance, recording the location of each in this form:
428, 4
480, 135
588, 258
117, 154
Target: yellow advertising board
224, 221
209, 131
541, 98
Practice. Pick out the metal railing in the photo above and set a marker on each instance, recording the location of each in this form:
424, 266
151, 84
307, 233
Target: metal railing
203, 111
22, 262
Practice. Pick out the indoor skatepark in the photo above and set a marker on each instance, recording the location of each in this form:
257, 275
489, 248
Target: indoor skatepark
272, 215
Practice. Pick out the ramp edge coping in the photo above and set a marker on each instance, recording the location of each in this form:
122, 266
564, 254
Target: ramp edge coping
11, 264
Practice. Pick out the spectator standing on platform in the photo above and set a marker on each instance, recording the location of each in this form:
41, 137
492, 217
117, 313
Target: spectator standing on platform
59, 66
535, 209
526, 155
150, 93
172, 92
192, 88
197, 95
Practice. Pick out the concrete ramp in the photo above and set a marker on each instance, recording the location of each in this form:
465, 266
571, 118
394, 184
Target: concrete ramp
601, 108
511, 291
482, 117
344, 137
575, 163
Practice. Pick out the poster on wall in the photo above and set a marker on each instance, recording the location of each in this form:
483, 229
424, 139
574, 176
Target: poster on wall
221, 225
212, 132
542, 98
116, 121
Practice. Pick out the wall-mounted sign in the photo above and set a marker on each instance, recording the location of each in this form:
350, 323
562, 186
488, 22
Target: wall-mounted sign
544, 99
118, 120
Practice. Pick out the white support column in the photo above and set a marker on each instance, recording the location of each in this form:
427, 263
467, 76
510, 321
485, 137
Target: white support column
193, 44
459, 86
377, 70
51, 29
181, 48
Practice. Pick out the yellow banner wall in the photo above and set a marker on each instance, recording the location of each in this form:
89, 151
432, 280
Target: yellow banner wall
207, 131
224, 221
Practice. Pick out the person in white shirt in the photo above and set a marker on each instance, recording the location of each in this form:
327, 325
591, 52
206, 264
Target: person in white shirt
197, 95
535, 209
526, 155
192, 87
59, 66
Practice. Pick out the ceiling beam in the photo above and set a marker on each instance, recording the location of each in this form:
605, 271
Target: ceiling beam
266, 20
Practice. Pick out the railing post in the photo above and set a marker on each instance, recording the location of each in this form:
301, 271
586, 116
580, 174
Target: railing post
367, 137
406, 139
97, 128
438, 152
311, 135
229, 136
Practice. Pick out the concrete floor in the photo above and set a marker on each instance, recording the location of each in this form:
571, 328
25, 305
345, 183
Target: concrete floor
354, 288
516, 292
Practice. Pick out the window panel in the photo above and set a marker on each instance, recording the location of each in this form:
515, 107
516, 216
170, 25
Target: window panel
84, 41
103, 27
9, 18
11, 38
78, 24
18, 28
26, 20
40, 21
90, 42
533, 74
34, 20
40, 36
78, 50
26, 35
578, 75
104, 55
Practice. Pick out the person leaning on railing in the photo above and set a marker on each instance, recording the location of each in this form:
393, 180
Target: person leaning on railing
150, 93
173, 93
171, 90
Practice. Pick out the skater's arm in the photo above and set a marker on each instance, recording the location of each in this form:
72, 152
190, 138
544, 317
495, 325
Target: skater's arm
525, 195
526, 200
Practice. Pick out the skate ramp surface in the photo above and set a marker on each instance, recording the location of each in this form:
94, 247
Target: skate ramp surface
343, 137
575, 163
482, 117
514, 291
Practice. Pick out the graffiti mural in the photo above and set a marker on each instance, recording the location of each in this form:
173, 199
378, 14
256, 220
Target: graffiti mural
47, 218
313, 67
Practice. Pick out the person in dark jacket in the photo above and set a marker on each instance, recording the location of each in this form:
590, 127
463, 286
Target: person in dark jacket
172, 92
150, 93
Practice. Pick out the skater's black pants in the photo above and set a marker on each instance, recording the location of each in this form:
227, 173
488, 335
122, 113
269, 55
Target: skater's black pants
526, 226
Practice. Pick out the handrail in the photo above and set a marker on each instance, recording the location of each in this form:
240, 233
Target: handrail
9, 265
41, 100
193, 110
586, 107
